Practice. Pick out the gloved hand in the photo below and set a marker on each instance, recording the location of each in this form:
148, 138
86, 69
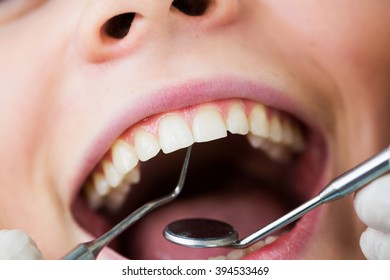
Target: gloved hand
17, 245
372, 204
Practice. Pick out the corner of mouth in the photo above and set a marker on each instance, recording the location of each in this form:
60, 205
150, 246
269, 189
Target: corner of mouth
198, 92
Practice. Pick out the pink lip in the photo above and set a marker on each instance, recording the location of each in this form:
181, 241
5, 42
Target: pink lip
201, 91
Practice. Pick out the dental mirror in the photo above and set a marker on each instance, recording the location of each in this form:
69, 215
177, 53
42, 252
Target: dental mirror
201, 233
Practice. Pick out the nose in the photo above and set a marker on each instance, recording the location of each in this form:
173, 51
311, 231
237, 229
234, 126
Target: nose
111, 29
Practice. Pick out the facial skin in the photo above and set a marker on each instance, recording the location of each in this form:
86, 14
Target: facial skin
65, 85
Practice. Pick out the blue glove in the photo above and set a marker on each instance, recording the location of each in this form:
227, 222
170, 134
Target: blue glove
372, 204
17, 245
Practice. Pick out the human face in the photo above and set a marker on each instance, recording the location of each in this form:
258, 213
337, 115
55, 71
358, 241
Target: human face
74, 81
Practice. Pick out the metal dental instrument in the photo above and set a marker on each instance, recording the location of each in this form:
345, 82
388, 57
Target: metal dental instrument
90, 250
204, 233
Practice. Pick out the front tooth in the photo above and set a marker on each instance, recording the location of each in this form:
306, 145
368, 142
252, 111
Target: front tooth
146, 145
237, 121
100, 183
258, 121
208, 125
174, 134
113, 177
275, 130
123, 156
134, 176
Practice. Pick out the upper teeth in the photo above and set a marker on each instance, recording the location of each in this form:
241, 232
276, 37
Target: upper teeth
278, 136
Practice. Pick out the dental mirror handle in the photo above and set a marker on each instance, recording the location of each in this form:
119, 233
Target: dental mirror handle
90, 250
340, 187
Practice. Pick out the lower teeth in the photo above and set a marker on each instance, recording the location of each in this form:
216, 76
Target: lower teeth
240, 253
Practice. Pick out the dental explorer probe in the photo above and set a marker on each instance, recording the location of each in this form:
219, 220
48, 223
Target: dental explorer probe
90, 250
206, 233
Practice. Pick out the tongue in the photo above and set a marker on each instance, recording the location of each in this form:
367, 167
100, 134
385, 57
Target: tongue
246, 211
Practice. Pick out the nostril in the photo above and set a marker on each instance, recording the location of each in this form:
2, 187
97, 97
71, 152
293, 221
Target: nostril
192, 7
118, 26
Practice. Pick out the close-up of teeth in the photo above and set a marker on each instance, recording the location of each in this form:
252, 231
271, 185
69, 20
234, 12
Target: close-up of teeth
237, 254
277, 135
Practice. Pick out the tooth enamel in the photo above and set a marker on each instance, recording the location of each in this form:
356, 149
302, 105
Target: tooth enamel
174, 134
275, 130
258, 121
278, 153
235, 254
255, 247
240, 253
94, 200
100, 184
217, 258
113, 177
270, 239
208, 125
237, 121
124, 157
116, 198
146, 145
134, 176
257, 142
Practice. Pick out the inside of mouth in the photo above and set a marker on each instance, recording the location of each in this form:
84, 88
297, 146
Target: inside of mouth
227, 180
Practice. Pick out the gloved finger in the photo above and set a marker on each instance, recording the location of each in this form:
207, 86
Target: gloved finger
372, 204
17, 245
375, 244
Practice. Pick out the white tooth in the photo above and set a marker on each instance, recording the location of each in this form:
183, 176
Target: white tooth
146, 145
100, 183
113, 177
255, 247
116, 198
270, 239
94, 200
278, 153
134, 176
275, 129
124, 157
258, 142
174, 134
258, 121
208, 125
235, 254
217, 258
237, 121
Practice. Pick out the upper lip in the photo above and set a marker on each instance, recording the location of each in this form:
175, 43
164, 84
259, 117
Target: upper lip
180, 96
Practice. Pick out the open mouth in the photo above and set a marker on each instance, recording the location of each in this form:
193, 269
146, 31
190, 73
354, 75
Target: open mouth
252, 164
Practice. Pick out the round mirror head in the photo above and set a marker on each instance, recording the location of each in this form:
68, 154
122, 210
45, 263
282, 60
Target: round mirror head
201, 233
